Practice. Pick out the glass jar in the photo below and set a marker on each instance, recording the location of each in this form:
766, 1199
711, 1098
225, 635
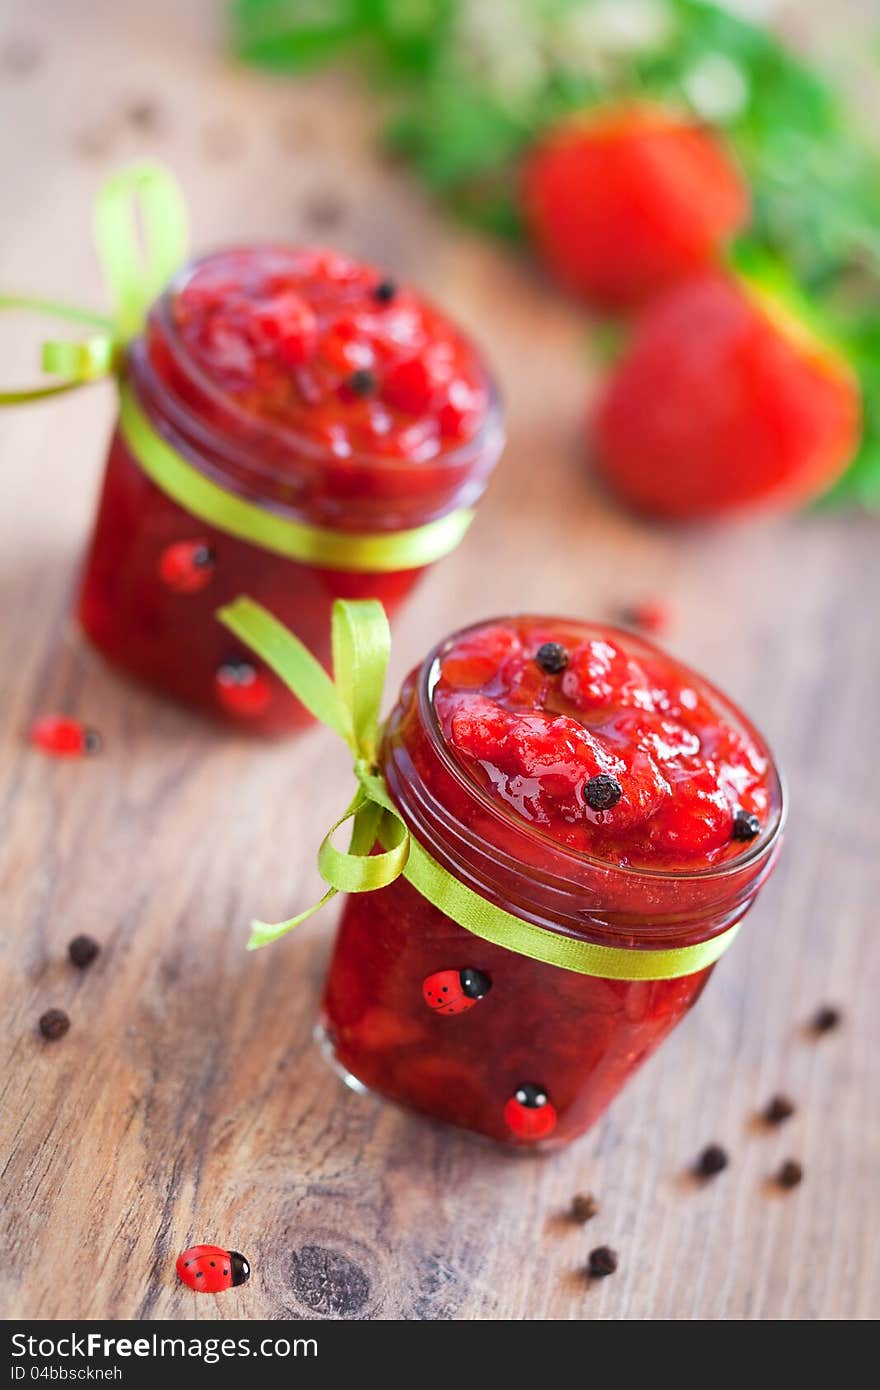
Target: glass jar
526, 1053
156, 574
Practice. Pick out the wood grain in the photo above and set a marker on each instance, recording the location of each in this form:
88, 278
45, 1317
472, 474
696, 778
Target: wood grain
188, 1101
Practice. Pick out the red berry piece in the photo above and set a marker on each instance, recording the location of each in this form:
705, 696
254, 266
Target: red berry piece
650, 615
63, 737
187, 566
455, 991
624, 201
409, 387
460, 412
697, 818
529, 1114
242, 689
211, 1269
725, 400
474, 659
288, 323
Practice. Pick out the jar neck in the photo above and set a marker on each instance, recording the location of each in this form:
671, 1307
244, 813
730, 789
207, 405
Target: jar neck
291, 473
508, 861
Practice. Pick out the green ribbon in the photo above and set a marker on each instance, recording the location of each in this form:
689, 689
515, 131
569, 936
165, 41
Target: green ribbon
349, 703
224, 510
137, 270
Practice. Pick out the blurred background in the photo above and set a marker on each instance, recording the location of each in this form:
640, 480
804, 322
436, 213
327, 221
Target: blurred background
398, 130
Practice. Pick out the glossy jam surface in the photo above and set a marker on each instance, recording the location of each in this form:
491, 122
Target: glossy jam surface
333, 350
305, 383
532, 1060
615, 752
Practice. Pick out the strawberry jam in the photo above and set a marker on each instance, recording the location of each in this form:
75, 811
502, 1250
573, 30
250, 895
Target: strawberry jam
316, 388
582, 780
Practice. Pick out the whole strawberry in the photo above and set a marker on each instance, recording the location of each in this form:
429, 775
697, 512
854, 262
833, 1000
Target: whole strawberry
625, 200
725, 399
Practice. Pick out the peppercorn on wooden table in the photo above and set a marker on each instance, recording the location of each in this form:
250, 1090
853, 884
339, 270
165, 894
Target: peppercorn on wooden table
187, 1102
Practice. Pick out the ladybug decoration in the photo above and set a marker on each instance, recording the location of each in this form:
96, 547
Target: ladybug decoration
529, 1113
211, 1269
455, 991
187, 566
64, 737
242, 689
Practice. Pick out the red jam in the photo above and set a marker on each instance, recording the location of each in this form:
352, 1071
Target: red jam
616, 755
314, 386
493, 754
333, 350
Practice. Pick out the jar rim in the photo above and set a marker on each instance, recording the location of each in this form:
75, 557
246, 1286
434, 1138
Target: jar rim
297, 441
758, 851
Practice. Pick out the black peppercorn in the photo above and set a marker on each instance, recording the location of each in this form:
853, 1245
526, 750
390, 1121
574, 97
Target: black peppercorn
712, 1160
602, 1262
778, 1109
825, 1019
790, 1174
584, 1207
362, 382
602, 792
82, 951
552, 657
745, 826
385, 291
54, 1023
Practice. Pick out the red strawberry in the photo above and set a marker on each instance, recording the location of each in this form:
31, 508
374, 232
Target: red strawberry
725, 399
625, 200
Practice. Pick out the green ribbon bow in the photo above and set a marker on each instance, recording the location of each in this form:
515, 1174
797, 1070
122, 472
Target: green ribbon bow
349, 703
137, 270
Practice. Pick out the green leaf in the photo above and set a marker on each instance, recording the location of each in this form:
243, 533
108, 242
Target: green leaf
287, 34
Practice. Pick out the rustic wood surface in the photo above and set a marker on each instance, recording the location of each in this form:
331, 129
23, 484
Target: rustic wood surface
187, 1101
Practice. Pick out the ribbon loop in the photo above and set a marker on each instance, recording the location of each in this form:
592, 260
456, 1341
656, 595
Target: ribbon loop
349, 704
361, 644
135, 271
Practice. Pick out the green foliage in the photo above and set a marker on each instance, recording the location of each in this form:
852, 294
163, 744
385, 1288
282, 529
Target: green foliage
473, 94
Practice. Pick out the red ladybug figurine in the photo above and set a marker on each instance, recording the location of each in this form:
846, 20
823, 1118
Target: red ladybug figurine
242, 689
210, 1269
64, 737
186, 566
455, 991
529, 1113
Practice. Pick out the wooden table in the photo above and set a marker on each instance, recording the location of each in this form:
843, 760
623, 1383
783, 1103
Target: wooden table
187, 1101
